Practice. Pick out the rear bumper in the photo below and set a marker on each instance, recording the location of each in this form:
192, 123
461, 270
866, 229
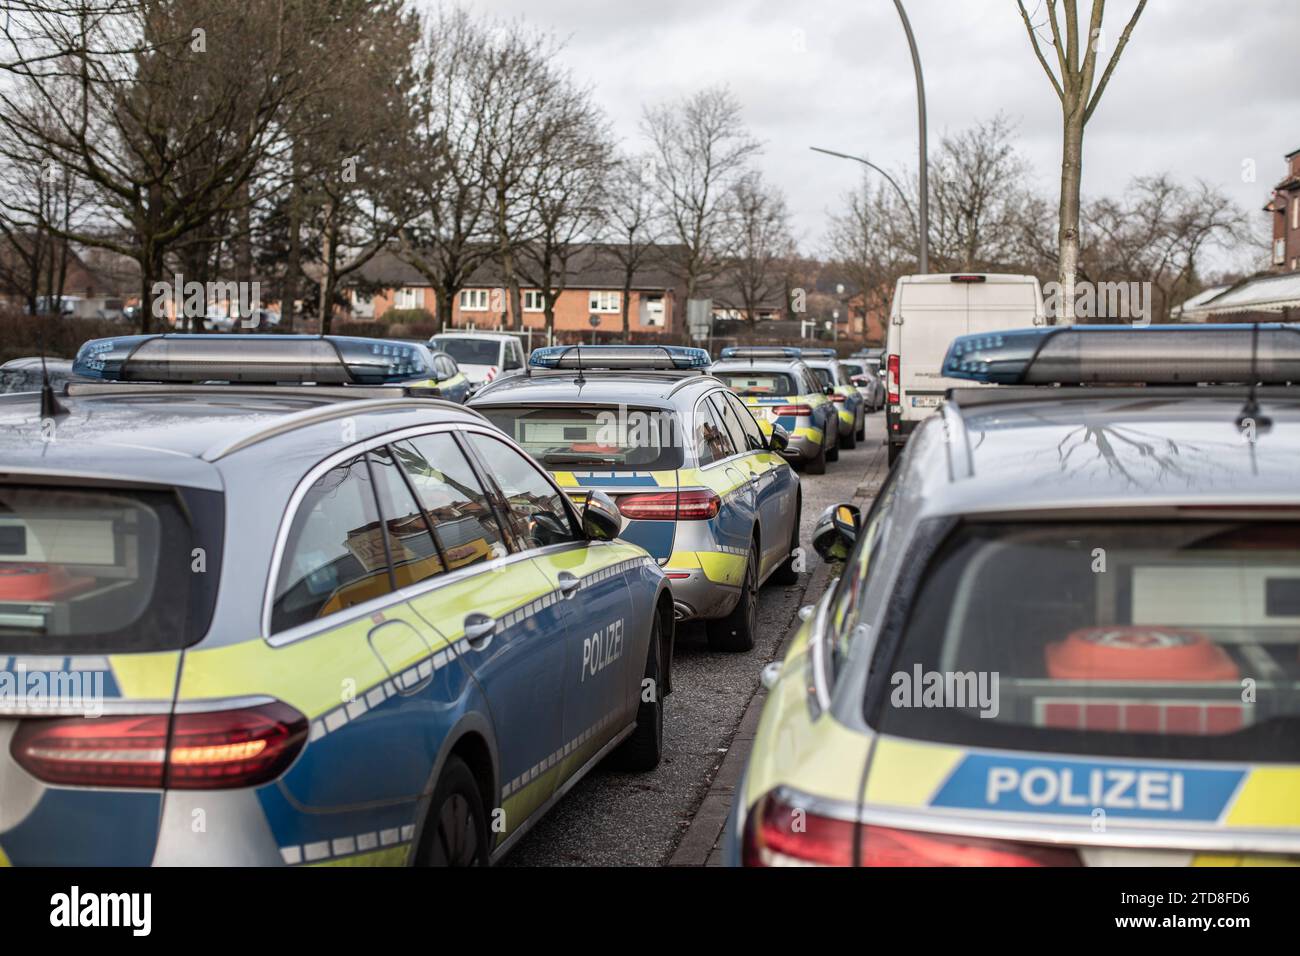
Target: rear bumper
804, 445
696, 598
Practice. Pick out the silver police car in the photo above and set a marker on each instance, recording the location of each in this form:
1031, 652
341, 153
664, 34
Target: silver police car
698, 483
1067, 631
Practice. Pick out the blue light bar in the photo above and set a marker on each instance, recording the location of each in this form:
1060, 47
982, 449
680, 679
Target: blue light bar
619, 357
297, 359
760, 351
818, 353
1126, 354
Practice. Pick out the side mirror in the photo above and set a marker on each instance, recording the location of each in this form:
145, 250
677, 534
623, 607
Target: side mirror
601, 520
779, 440
828, 390
836, 532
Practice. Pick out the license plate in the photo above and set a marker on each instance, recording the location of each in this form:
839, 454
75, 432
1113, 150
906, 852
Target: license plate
925, 401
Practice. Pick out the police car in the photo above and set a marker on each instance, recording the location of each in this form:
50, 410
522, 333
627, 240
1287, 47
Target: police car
445, 375
334, 624
698, 484
850, 402
1068, 629
781, 389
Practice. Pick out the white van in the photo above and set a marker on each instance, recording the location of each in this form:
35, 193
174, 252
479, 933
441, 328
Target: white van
482, 356
928, 312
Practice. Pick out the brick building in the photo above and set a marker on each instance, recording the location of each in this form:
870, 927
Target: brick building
1285, 209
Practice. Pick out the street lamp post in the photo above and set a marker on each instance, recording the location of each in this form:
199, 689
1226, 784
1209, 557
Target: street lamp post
920, 119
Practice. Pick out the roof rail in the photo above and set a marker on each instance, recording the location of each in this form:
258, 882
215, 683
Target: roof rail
284, 424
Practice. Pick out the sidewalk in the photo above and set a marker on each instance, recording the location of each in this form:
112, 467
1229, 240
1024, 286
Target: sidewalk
701, 844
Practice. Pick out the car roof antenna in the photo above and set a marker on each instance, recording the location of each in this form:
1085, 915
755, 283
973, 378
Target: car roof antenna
579, 380
1250, 419
51, 408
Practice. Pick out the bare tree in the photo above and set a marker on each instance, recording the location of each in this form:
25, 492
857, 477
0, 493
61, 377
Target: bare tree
701, 147
977, 196
1074, 87
451, 234
633, 222
132, 92
758, 243
566, 192
1157, 232
872, 242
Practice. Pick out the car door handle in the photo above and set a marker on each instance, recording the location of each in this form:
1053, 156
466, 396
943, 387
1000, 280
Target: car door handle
569, 583
479, 630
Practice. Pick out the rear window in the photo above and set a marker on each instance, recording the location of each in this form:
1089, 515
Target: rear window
823, 376
596, 438
759, 383
1158, 640
470, 351
100, 571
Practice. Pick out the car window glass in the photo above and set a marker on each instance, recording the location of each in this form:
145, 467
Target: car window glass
535, 509
753, 434
711, 441
335, 555
511, 360
415, 557
727, 415
464, 524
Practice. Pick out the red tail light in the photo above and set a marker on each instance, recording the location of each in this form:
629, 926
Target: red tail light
670, 506
214, 750
798, 411
891, 383
778, 833
838, 397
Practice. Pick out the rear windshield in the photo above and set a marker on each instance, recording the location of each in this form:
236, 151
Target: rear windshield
614, 438
1161, 639
824, 376
759, 383
97, 571
854, 368
470, 351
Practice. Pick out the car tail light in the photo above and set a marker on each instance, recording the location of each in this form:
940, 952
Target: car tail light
798, 411
838, 397
670, 506
213, 750
779, 833
891, 383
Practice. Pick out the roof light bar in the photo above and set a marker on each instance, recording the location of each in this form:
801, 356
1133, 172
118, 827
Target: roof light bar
818, 353
619, 357
760, 351
323, 360
1126, 354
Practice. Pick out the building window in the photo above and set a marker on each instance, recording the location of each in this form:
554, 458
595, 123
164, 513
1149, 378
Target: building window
605, 301
533, 301
1295, 213
473, 300
408, 299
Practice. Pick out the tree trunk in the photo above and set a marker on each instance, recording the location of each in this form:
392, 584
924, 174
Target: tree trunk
327, 280
1068, 235
444, 303
293, 262
627, 304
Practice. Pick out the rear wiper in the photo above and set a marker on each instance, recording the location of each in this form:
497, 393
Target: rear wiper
577, 458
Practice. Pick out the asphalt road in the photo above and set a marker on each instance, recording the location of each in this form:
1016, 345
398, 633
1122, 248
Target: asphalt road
621, 819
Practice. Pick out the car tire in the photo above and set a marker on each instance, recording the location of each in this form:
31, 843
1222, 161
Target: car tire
851, 441
785, 574
456, 831
644, 748
834, 453
817, 464
894, 452
861, 434
735, 632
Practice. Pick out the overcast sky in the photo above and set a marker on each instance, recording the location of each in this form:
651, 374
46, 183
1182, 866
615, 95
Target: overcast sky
1203, 86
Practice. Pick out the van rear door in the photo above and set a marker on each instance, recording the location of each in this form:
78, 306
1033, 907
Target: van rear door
933, 313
